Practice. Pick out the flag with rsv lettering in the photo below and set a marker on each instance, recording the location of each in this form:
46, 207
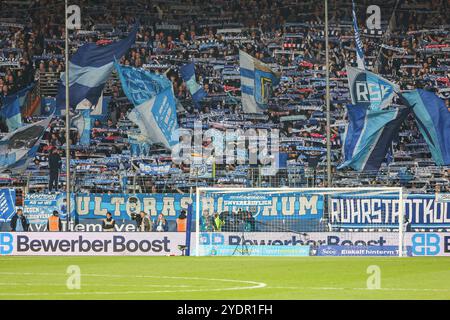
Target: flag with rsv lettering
89, 69
370, 90
257, 83
369, 136
433, 119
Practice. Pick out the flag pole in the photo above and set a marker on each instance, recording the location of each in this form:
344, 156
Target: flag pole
68, 198
327, 96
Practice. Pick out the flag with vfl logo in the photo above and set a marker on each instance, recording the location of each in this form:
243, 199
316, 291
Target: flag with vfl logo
257, 82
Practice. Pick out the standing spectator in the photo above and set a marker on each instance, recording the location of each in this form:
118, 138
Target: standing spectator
108, 223
145, 223
54, 164
19, 222
54, 222
181, 221
161, 224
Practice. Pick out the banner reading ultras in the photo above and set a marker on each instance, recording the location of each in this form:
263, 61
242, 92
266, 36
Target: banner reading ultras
91, 244
270, 204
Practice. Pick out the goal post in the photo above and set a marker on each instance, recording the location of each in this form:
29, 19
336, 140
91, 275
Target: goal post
299, 221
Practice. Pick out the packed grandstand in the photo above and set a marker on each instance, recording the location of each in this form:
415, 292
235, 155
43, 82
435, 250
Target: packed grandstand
411, 49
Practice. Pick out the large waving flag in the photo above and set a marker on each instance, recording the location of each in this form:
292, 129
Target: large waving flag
11, 113
370, 90
157, 118
257, 82
369, 135
82, 121
188, 74
90, 68
433, 119
18, 148
22, 95
359, 47
140, 85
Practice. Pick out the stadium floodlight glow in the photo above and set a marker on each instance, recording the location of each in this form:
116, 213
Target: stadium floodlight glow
300, 221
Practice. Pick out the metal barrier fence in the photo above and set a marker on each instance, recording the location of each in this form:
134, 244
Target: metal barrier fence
417, 180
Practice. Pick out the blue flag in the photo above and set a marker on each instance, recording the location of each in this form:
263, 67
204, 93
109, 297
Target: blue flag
369, 89
7, 204
11, 113
188, 74
140, 85
433, 120
359, 47
82, 122
157, 118
21, 95
369, 136
89, 69
18, 148
257, 82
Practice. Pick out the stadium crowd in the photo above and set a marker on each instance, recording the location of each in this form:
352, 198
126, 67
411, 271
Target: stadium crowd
411, 49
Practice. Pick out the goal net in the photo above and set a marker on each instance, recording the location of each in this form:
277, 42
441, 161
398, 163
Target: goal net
299, 221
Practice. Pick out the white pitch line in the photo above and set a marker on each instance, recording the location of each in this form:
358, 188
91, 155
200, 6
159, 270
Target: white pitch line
253, 285
363, 289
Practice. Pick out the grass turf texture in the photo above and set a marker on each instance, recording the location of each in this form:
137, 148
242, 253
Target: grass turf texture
241, 278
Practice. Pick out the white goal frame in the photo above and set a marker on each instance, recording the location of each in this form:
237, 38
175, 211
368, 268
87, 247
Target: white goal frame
399, 190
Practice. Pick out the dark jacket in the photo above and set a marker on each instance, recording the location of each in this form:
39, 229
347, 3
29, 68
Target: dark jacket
16, 219
54, 162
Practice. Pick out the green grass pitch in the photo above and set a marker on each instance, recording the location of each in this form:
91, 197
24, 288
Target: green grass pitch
223, 278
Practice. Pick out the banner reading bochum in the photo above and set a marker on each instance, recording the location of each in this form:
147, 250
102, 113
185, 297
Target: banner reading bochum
265, 205
369, 89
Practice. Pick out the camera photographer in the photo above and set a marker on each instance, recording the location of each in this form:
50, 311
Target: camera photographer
143, 223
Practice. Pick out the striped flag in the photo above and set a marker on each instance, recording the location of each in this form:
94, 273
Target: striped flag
359, 47
257, 82
369, 136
